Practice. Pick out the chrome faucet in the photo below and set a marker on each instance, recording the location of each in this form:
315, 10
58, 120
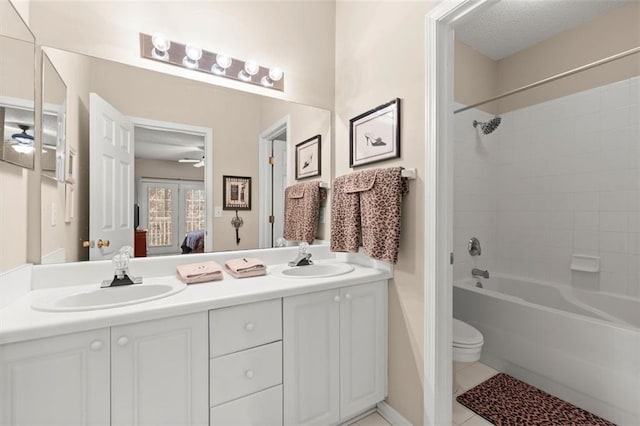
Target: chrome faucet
475, 272
304, 256
121, 275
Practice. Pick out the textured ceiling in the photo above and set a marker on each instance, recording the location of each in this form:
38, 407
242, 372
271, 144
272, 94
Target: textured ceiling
163, 145
513, 25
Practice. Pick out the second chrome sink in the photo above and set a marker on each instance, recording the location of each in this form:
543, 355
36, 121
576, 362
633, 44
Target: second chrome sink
81, 299
318, 270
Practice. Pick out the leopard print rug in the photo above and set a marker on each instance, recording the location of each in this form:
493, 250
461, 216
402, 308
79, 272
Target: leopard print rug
505, 401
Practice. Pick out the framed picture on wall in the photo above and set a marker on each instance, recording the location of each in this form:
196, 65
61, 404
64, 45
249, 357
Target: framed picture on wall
236, 192
375, 135
308, 158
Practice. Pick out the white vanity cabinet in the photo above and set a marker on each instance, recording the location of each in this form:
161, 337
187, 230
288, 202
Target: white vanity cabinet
159, 372
148, 373
60, 380
335, 353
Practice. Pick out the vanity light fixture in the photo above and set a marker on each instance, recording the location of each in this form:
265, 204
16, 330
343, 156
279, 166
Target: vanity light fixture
160, 48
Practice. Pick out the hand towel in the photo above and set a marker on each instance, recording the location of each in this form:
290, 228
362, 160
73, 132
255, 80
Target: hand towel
368, 203
245, 267
301, 211
199, 272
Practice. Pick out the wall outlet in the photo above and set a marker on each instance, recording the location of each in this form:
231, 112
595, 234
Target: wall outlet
217, 211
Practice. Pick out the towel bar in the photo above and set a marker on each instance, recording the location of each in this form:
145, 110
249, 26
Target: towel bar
409, 173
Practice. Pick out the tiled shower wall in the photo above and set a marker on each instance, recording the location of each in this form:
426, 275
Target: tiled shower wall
555, 179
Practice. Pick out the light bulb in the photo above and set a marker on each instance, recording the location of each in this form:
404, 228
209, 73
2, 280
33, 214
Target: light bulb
23, 149
194, 53
266, 81
275, 74
161, 45
222, 63
251, 68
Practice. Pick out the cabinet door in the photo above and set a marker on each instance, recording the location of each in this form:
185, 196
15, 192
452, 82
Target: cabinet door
311, 358
159, 372
60, 380
363, 347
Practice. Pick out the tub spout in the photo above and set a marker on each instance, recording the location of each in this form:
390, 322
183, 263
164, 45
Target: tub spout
479, 273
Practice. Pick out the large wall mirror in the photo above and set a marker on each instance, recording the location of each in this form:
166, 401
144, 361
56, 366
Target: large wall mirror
17, 153
146, 153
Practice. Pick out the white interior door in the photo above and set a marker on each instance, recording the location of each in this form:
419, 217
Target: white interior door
279, 172
111, 178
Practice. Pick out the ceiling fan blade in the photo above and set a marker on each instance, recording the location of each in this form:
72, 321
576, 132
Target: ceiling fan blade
188, 160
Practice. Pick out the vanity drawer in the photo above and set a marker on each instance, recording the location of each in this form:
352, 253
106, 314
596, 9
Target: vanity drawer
246, 372
260, 409
245, 326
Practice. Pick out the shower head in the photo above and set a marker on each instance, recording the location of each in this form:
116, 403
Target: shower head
489, 126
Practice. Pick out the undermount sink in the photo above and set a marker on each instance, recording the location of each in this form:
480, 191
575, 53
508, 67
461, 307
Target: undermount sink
319, 270
81, 299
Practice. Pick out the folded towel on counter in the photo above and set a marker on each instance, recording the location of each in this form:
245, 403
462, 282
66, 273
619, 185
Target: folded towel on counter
245, 267
199, 272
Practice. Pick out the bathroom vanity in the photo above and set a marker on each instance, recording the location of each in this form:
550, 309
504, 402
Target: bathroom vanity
264, 350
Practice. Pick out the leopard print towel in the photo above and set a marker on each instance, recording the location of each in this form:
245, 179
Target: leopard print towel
368, 204
301, 211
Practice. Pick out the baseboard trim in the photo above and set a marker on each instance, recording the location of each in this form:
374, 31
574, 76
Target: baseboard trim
391, 415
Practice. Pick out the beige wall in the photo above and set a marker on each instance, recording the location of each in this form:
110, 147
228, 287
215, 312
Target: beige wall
13, 218
297, 36
146, 168
380, 51
476, 77
75, 72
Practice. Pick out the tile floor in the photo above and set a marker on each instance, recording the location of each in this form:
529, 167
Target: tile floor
373, 419
467, 376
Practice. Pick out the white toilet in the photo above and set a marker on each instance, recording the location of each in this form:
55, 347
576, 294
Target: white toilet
467, 342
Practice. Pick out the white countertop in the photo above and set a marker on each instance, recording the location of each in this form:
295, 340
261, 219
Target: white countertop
19, 321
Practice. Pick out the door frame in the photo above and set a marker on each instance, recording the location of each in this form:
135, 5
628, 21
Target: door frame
207, 133
440, 23
276, 129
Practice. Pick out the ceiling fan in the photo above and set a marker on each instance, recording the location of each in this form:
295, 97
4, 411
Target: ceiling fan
197, 163
23, 142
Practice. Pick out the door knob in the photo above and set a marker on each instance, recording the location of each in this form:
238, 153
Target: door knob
103, 243
87, 244
249, 326
96, 345
123, 340
336, 299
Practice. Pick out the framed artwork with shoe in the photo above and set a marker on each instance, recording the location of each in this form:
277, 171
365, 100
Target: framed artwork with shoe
375, 135
308, 158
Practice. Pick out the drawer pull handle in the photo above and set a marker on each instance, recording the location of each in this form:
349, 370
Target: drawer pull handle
123, 340
336, 299
96, 345
249, 374
249, 326
347, 296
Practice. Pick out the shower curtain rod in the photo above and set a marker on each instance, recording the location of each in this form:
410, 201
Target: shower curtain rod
554, 78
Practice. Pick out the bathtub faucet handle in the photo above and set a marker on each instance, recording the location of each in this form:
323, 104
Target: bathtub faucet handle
475, 272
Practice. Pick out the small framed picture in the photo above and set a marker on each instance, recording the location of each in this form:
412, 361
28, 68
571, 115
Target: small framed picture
236, 192
71, 165
308, 158
375, 135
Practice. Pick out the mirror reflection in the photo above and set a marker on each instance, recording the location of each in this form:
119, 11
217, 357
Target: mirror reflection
17, 96
150, 152
17, 72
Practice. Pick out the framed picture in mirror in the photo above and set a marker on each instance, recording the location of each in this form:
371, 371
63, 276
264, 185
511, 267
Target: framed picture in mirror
375, 135
71, 166
236, 192
308, 158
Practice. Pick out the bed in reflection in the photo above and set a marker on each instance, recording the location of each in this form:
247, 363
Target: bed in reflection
193, 242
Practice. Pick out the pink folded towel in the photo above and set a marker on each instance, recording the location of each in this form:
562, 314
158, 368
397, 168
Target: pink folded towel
245, 267
199, 272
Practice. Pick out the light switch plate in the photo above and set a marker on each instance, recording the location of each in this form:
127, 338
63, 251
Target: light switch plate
217, 211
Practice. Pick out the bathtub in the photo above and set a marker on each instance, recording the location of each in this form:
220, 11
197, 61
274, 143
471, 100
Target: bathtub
581, 346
